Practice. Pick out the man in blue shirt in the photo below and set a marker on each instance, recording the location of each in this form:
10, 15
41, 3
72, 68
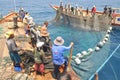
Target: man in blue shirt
58, 54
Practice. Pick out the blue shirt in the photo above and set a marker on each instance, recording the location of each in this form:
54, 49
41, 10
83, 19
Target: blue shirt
57, 52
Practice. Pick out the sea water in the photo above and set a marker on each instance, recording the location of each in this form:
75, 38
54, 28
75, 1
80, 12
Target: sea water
41, 11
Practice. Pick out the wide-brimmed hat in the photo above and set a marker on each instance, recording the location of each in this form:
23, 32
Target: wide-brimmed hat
59, 41
9, 33
40, 44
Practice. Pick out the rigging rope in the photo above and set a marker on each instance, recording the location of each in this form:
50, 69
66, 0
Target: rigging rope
105, 61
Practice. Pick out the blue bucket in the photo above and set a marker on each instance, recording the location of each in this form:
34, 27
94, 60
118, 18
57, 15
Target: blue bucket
17, 68
118, 19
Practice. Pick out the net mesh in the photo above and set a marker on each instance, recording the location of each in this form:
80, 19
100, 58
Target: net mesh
84, 20
92, 63
99, 25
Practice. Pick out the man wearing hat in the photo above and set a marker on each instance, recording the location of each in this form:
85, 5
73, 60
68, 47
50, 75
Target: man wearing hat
38, 57
13, 49
21, 13
45, 37
58, 54
93, 11
15, 21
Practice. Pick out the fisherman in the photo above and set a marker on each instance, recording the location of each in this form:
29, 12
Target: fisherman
33, 35
69, 8
61, 6
30, 21
105, 10
46, 39
21, 13
44, 27
32, 31
113, 16
87, 11
43, 36
29, 18
60, 62
65, 8
76, 9
38, 57
26, 26
80, 10
110, 12
72, 10
15, 21
93, 11
38, 34
13, 49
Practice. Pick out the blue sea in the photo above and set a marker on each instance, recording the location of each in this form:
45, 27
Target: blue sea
41, 11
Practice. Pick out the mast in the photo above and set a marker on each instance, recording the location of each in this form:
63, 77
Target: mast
14, 5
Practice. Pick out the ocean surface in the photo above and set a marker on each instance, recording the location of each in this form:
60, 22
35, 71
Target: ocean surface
41, 11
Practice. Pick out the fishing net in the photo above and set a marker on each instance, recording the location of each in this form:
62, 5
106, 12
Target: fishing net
93, 43
94, 62
82, 39
111, 68
84, 20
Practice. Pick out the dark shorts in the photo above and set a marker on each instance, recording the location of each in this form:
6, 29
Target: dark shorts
15, 57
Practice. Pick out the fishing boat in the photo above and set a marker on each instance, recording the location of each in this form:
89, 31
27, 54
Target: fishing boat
89, 62
6, 23
116, 21
76, 18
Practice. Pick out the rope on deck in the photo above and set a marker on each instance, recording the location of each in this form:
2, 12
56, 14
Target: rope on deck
105, 62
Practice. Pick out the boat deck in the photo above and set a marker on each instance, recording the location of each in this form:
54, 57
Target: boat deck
6, 67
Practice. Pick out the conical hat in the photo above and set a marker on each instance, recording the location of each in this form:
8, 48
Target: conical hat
8, 34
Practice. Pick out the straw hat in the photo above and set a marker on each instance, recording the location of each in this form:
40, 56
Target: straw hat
59, 41
8, 34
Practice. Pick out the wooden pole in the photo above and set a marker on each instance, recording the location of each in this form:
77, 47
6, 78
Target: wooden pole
96, 76
69, 60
